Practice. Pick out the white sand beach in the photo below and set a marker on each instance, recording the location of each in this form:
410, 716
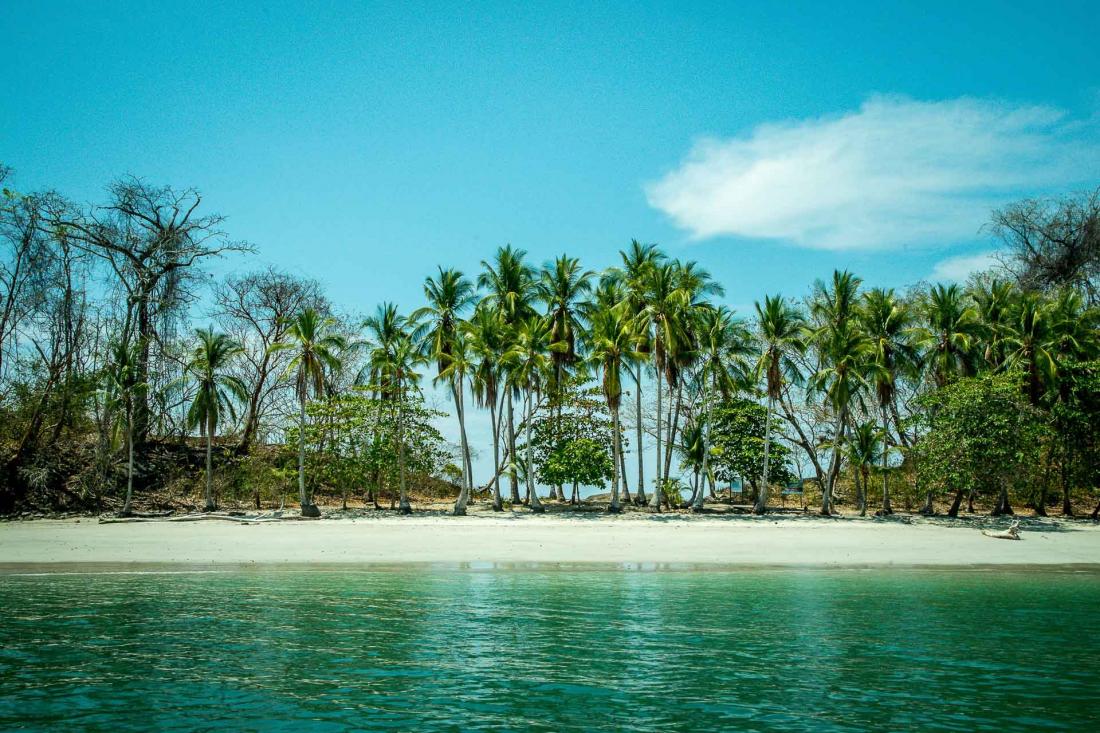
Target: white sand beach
523, 538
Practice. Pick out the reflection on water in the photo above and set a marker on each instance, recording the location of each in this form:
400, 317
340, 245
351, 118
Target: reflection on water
443, 649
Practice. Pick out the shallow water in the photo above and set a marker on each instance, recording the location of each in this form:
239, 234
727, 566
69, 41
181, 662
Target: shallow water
438, 648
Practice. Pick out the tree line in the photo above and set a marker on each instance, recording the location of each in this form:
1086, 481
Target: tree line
987, 391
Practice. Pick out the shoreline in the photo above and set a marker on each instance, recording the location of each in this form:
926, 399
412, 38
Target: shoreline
519, 541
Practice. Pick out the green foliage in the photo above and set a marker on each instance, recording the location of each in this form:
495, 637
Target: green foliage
737, 440
351, 441
1076, 422
980, 435
573, 445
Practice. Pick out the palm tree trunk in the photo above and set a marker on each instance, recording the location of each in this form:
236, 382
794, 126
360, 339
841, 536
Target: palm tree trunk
864, 485
834, 467
762, 497
622, 470
532, 495
674, 423
886, 508
513, 478
210, 506
303, 500
700, 489
403, 507
498, 502
658, 490
640, 497
464, 492
129, 461
1067, 505
616, 447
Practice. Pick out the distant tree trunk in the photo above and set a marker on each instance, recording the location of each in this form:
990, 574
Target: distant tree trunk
616, 447
864, 486
498, 502
464, 492
1002, 506
954, 510
700, 490
210, 505
622, 471
303, 500
834, 467
1067, 505
886, 508
404, 506
129, 460
514, 479
532, 494
640, 495
672, 428
762, 500
658, 490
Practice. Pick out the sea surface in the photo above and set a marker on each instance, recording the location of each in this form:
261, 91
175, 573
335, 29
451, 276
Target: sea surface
549, 648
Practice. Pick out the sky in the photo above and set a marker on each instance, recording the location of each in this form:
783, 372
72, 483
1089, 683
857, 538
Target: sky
363, 144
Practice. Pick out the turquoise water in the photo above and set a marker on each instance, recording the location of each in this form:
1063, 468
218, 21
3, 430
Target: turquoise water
436, 648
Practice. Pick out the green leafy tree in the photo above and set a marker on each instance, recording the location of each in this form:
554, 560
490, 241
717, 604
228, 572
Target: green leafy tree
980, 435
737, 440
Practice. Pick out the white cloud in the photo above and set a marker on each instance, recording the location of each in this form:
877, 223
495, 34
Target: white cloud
957, 269
895, 172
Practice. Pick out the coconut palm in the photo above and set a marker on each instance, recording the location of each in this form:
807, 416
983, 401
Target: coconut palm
398, 371
487, 335
863, 449
458, 362
662, 319
216, 391
120, 386
637, 261
845, 353
780, 328
948, 334
560, 286
509, 283
1031, 343
888, 322
529, 365
613, 348
312, 339
724, 345
992, 305
437, 330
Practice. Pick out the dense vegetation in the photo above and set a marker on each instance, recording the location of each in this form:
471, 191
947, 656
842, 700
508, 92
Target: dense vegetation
987, 392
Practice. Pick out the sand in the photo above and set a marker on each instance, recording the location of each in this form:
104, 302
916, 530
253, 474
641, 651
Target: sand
523, 538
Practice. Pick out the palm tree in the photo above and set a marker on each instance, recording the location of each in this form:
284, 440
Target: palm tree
315, 345
723, 349
845, 352
399, 374
560, 287
488, 336
780, 326
948, 334
661, 318
509, 283
458, 363
992, 305
120, 386
215, 394
888, 322
1031, 343
529, 364
613, 348
637, 261
863, 450
438, 332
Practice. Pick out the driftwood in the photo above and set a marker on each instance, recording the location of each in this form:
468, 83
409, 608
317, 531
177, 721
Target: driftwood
264, 518
1012, 533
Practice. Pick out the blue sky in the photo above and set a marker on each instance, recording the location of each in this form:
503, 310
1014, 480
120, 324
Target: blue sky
363, 144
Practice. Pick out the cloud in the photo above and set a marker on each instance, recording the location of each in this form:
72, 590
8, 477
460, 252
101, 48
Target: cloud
894, 172
957, 269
